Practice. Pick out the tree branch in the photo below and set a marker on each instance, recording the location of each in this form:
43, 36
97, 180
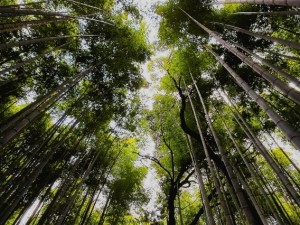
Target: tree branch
155, 160
219, 163
186, 179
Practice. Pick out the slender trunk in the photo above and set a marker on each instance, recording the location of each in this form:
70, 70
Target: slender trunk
103, 214
179, 208
82, 222
171, 204
30, 161
291, 134
196, 218
242, 200
264, 152
283, 152
264, 2
78, 186
291, 57
281, 13
291, 44
9, 27
225, 191
12, 186
284, 88
38, 40
203, 192
228, 216
288, 30
25, 186
67, 184
287, 76
252, 198
10, 12
78, 213
272, 193
23, 210
18, 65
20, 5
83, 4
11, 133
18, 12
37, 209
87, 207
254, 176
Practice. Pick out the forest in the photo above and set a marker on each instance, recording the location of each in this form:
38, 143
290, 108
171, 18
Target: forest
217, 143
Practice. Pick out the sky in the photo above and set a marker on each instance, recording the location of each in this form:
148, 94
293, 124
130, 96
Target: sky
146, 8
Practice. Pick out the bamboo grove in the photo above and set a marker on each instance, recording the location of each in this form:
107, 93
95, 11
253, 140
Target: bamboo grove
225, 121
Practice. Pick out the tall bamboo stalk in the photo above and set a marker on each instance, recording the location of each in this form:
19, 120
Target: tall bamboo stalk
224, 206
283, 87
281, 13
207, 208
287, 76
288, 43
253, 174
264, 152
241, 198
263, 2
291, 134
39, 40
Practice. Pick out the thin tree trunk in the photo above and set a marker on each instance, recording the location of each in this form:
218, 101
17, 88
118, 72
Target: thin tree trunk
18, 12
39, 40
88, 205
272, 193
263, 2
254, 176
234, 198
224, 206
179, 208
291, 134
291, 44
82, 222
18, 65
83, 4
78, 212
263, 151
67, 184
287, 76
20, 5
103, 214
78, 186
25, 186
10, 12
283, 152
9, 27
244, 205
294, 58
252, 198
288, 30
203, 192
281, 13
9, 134
284, 88
37, 209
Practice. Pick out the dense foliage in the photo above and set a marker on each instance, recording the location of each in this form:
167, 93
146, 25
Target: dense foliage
225, 121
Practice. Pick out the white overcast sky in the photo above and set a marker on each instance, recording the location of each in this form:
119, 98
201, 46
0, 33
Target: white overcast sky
146, 8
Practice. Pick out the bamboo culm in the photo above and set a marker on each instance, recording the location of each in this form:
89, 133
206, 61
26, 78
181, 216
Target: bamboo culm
291, 134
241, 198
283, 87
